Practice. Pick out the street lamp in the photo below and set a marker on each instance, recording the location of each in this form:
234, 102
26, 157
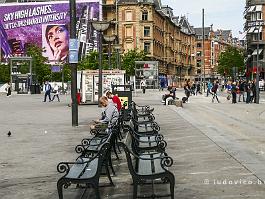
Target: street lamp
118, 48
257, 73
109, 39
100, 26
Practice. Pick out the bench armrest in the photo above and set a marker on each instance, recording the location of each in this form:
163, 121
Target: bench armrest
64, 167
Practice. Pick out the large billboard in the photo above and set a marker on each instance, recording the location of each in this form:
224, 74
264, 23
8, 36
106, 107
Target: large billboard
46, 24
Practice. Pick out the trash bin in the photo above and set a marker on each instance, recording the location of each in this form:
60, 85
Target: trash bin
125, 97
78, 97
35, 89
32, 89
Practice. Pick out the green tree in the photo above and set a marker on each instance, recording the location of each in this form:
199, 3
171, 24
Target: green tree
129, 58
89, 62
4, 73
39, 66
231, 57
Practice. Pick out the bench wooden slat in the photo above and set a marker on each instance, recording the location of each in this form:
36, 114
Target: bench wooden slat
91, 169
144, 166
76, 170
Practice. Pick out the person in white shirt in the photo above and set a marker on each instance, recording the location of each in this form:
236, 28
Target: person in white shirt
143, 85
56, 92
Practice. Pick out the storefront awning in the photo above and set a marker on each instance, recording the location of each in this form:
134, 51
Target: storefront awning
255, 51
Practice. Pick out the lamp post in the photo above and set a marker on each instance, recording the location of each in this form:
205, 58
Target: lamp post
100, 26
203, 53
109, 39
180, 74
257, 73
73, 65
118, 47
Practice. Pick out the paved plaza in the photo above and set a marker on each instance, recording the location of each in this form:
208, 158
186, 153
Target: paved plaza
218, 149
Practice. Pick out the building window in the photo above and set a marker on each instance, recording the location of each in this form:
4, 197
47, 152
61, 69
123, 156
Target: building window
128, 16
199, 53
256, 37
147, 47
259, 15
129, 32
145, 16
146, 31
199, 45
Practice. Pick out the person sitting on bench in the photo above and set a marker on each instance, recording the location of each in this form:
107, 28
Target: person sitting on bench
109, 116
170, 96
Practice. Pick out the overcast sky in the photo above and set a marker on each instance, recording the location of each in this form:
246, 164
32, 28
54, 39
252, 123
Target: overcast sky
223, 14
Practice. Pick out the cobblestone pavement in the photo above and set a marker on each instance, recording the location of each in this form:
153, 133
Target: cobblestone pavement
218, 149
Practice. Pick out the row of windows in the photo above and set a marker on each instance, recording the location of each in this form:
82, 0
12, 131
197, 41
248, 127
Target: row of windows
256, 16
129, 15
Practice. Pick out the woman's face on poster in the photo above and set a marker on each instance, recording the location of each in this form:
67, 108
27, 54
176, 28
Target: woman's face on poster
58, 39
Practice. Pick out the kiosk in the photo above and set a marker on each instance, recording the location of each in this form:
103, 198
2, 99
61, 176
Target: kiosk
89, 83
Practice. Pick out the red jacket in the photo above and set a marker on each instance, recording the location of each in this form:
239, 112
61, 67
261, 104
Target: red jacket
117, 101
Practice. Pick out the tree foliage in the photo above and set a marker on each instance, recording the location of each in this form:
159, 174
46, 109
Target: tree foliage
129, 58
39, 66
231, 57
4, 73
89, 62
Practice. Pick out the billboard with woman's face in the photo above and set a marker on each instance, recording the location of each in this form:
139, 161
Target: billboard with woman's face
46, 24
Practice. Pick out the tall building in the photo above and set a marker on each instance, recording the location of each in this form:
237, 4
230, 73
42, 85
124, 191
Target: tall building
207, 56
147, 25
254, 26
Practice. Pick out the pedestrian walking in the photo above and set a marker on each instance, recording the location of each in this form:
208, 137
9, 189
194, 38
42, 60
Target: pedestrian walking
187, 89
234, 92
209, 88
214, 91
8, 89
198, 88
143, 85
47, 90
55, 92
242, 89
248, 90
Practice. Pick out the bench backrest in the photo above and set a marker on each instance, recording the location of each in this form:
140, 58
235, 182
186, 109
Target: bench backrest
126, 145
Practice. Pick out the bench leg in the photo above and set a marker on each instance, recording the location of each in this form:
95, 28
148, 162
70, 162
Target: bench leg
134, 190
108, 174
97, 191
172, 186
60, 184
111, 166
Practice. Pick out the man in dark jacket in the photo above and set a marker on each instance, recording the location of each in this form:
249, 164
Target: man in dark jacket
47, 89
214, 92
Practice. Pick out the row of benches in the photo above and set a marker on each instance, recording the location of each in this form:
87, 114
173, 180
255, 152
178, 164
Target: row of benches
144, 148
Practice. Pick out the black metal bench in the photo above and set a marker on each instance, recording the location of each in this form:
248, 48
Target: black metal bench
145, 142
147, 167
85, 170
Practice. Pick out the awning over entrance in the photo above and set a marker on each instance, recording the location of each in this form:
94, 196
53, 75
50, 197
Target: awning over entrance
255, 51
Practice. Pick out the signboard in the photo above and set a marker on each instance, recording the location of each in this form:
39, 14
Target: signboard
148, 71
256, 23
46, 24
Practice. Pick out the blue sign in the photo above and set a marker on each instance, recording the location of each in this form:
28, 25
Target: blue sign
73, 57
73, 44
